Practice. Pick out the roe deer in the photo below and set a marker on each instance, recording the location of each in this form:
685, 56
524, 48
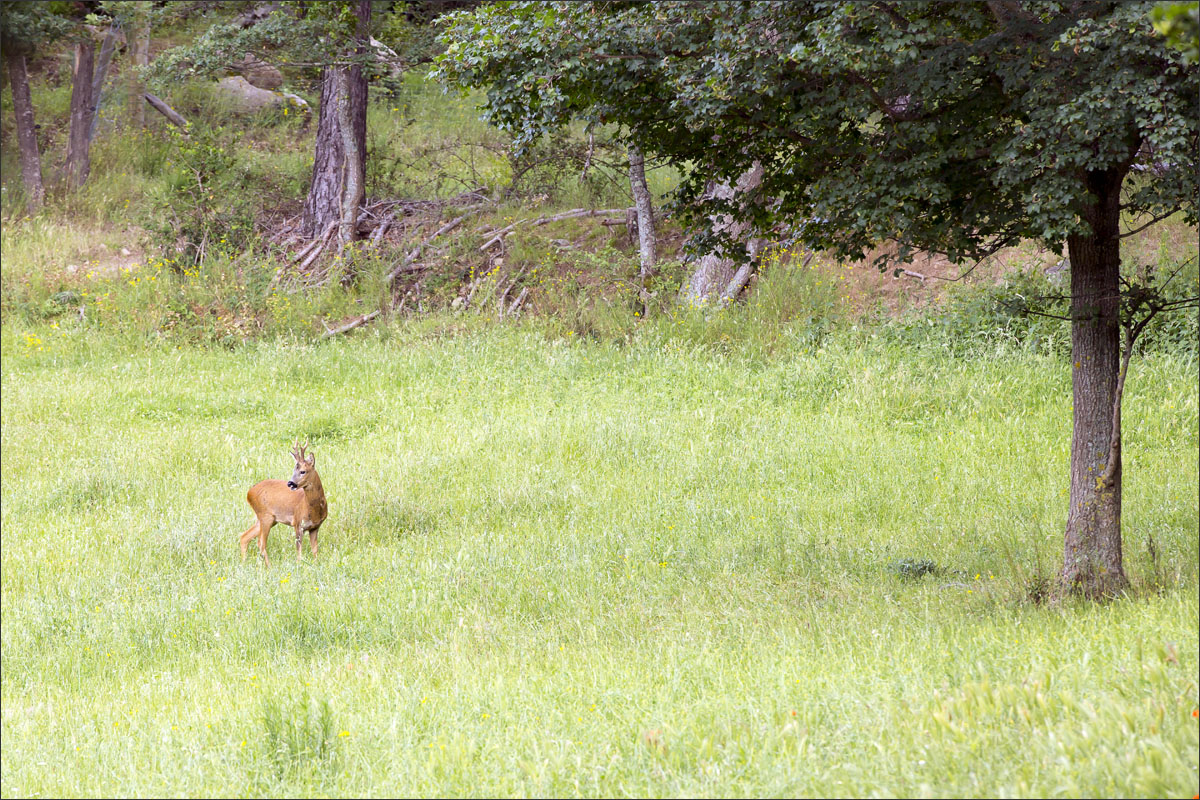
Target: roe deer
299, 502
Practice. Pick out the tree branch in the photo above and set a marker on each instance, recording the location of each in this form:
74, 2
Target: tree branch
1148, 224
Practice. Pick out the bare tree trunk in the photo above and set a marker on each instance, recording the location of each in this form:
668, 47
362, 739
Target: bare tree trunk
1092, 553
715, 271
138, 39
101, 72
647, 237
323, 205
31, 159
78, 160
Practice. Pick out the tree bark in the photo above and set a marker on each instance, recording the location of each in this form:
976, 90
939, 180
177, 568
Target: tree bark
352, 180
326, 190
1092, 554
78, 160
647, 238
31, 159
107, 49
714, 271
138, 39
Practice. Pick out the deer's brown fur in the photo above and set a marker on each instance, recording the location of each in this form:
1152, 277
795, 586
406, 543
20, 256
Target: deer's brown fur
299, 502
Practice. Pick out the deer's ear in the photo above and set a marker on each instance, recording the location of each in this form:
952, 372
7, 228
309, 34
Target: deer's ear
312, 460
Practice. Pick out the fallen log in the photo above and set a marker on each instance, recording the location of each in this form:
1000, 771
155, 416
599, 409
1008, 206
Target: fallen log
349, 326
416, 251
166, 111
574, 213
516, 304
382, 229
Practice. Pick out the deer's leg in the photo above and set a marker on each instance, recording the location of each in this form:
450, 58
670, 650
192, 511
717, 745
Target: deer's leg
244, 539
312, 541
299, 538
264, 527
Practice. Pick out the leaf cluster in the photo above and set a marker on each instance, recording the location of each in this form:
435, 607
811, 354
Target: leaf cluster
26, 25
957, 128
295, 34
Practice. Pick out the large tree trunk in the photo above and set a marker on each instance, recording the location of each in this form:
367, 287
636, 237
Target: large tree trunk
138, 44
1092, 557
78, 161
715, 271
352, 180
647, 238
326, 190
31, 159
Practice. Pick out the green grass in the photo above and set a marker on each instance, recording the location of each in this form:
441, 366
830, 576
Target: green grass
559, 567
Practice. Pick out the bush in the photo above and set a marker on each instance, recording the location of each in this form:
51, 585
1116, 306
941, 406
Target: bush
202, 208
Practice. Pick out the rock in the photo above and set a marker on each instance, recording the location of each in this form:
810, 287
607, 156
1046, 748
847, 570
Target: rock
255, 15
1058, 273
297, 102
244, 98
125, 252
259, 73
72, 268
388, 57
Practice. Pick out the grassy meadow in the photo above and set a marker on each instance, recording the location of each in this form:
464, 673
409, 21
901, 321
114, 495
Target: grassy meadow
802, 546
565, 567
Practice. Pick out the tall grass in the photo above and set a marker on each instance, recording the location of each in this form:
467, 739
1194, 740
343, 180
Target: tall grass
753, 550
556, 566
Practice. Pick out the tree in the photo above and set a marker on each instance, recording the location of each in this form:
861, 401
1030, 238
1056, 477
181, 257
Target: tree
137, 25
334, 37
336, 189
958, 128
87, 85
23, 27
78, 163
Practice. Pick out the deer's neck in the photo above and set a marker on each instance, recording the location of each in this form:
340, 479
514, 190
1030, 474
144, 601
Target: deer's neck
314, 491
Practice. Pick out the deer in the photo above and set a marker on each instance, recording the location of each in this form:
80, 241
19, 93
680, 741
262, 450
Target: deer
299, 502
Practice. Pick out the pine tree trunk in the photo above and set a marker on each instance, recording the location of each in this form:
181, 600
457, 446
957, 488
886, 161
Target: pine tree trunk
352, 180
78, 159
1092, 558
31, 159
647, 238
323, 205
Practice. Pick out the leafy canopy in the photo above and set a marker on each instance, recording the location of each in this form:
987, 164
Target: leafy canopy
25, 25
295, 34
955, 127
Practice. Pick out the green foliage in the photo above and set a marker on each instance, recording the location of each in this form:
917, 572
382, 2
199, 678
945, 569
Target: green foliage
1180, 23
980, 318
914, 568
299, 35
26, 25
298, 736
957, 128
202, 210
792, 305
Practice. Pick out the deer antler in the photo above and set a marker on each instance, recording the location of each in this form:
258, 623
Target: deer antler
298, 451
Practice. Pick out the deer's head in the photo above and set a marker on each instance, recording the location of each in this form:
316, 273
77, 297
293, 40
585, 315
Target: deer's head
306, 467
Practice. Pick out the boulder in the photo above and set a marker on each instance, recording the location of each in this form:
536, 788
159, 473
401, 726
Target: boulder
244, 97
259, 73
